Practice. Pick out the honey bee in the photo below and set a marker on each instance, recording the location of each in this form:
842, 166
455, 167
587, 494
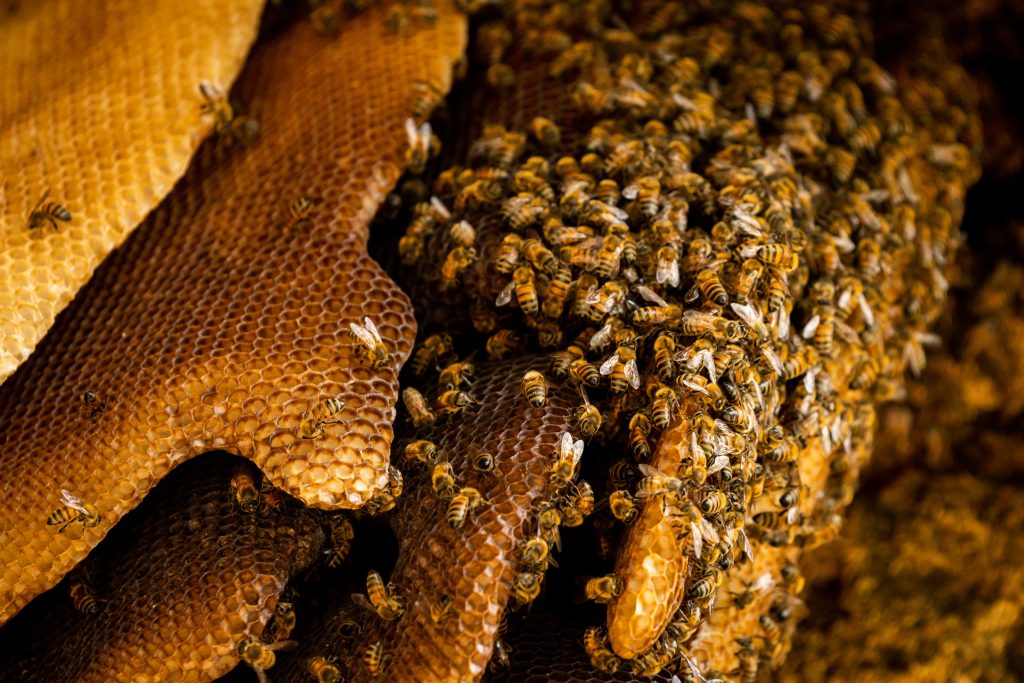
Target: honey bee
558, 291
74, 509
662, 407
866, 138
639, 428
431, 352
713, 503
455, 264
423, 144
478, 193
709, 284
316, 418
525, 290
442, 478
694, 323
454, 401
526, 587
588, 417
704, 586
374, 658
535, 555
500, 76
463, 234
260, 656
657, 315
595, 642
603, 589
455, 375
748, 661
667, 270
429, 94
539, 256
508, 254
664, 350
246, 494
566, 460
658, 484
546, 132
623, 506
584, 373
462, 505
416, 405
216, 104
799, 362
82, 595
577, 504
373, 349
379, 598
503, 343
299, 211
323, 670
547, 525
535, 388
342, 534
47, 212
647, 193
622, 369
282, 624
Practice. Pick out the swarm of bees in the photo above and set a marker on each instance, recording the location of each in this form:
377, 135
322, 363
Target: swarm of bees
732, 247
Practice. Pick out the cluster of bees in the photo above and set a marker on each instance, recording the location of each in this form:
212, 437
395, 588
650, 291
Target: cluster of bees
739, 241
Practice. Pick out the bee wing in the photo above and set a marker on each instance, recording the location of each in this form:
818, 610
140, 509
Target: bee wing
698, 541
372, 329
745, 222
692, 294
707, 530
811, 327
73, 501
696, 448
650, 295
773, 359
505, 296
609, 365
844, 298
707, 359
751, 316
694, 387
693, 667
440, 209
566, 446
577, 452
583, 395
846, 332
763, 582
649, 471
667, 272
282, 645
720, 463
783, 325
600, 338
363, 335
632, 374
746, 545
363, 601
411, 132
261, 675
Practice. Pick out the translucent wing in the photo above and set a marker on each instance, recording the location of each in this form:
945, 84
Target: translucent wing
650, 471
698, 541
693, 667
707, 359
371, 328
577, 452
695, 387
72, 501
600, 338
720, 463
363, 601
763, 582
411, 132
609, 365
667, 272
650, 295
363, 335
751, 316
773, 359
440, 209
811, 327
746, 545
707, 530
505, 296
696, 448
632, 374
566, 446
783, 325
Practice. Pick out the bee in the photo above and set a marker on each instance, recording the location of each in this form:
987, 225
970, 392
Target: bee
246, 494
429, 94
866, 374
608, 256
423, 144
535, 388
779, 256
282, 624
566, 461
374, 658
535, 554
664, 403
713, 503
299, 211
433, 349
462, 505
417, 407
82, 596
216, 104
478, 193
651, 662
547, 525
709, 284
526, 587
74, 509
667, 271
500, 76
577, 504
595, 642
480, 314
323, 670
694, 323
657, 483
866, 138
841, 163
442, 478
700, 529
397, 20
373, 349
508, 254
463, 234
525, 289
623, 506
590, 98
704, 585
456, 374
500, 658
778, 292
47, 212
868, 257
379, 598
639, 428
657, 315
588, 417
455, 264
752, 591
97, 407
316, 418
622, 369
664, 350
584, 373
799, 363
342, 534
410, 249
546, 132
503, 343
603, 589
748, 661
647, 193
260, 656
454, 401
558, 291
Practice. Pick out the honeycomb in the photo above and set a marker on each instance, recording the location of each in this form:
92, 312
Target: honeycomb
187, 568
220, 323
100, 107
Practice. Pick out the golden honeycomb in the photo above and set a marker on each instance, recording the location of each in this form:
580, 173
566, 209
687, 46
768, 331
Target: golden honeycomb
775, 145
219, 323
187, 567
100, 108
